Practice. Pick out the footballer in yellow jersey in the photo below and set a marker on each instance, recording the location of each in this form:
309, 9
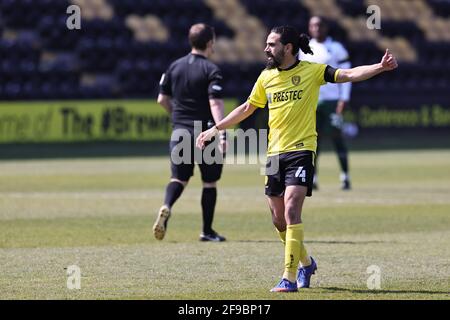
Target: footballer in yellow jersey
291, 96
290, 89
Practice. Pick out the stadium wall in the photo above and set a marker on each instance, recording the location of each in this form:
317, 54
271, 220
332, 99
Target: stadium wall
145, 121
85, 121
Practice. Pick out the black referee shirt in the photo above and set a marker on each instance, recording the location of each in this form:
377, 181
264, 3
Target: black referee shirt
191, 81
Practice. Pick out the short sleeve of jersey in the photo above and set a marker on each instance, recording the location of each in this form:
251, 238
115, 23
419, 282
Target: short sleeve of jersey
258, 96
215, 90
165, 84
320, 73
325, 73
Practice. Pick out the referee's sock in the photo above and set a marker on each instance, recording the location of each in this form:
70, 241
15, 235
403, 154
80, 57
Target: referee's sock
209, 197
173, 192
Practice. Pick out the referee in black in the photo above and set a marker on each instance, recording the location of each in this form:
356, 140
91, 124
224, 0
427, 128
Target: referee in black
191, 90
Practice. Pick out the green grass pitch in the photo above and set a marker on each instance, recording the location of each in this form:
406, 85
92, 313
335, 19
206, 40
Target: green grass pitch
98, 214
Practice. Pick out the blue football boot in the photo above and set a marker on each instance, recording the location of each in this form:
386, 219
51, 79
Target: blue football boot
305, 273
285, 286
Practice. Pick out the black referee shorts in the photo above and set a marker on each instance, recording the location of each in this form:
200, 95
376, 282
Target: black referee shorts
183, 156
294, 169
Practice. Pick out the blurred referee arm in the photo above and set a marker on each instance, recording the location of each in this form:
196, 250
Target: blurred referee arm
388, 63
218, 110
216, 105
164, 100
234, 117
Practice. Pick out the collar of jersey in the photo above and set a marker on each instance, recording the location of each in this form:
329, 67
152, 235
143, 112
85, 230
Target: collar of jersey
197, 55
291, 67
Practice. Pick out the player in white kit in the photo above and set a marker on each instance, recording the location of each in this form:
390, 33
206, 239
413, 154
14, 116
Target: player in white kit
333, 97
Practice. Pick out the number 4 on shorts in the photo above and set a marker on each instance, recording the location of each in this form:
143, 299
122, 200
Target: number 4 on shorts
300, 173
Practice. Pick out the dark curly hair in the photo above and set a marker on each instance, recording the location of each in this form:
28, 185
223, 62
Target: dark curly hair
289, 34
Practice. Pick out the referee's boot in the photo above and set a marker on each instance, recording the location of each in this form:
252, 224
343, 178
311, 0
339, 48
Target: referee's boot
345, 181
346, 185
160, 226
211, 236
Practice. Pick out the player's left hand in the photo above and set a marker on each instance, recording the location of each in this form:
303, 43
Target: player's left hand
206, 136
388, 62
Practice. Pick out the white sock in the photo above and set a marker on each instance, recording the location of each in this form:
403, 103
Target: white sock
345, 176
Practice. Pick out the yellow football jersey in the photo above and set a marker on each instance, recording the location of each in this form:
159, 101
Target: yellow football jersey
292, 97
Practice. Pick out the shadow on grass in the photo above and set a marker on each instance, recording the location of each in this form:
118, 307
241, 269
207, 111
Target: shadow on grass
347, 242
316, 241
335, 289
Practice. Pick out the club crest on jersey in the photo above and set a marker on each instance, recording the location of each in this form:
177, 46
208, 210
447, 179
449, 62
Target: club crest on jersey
295, 80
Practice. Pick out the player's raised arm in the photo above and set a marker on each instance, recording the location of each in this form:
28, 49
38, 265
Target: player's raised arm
237, 115
388, 63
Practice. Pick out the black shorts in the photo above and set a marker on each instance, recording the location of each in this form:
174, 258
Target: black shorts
182, 160
294, 169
